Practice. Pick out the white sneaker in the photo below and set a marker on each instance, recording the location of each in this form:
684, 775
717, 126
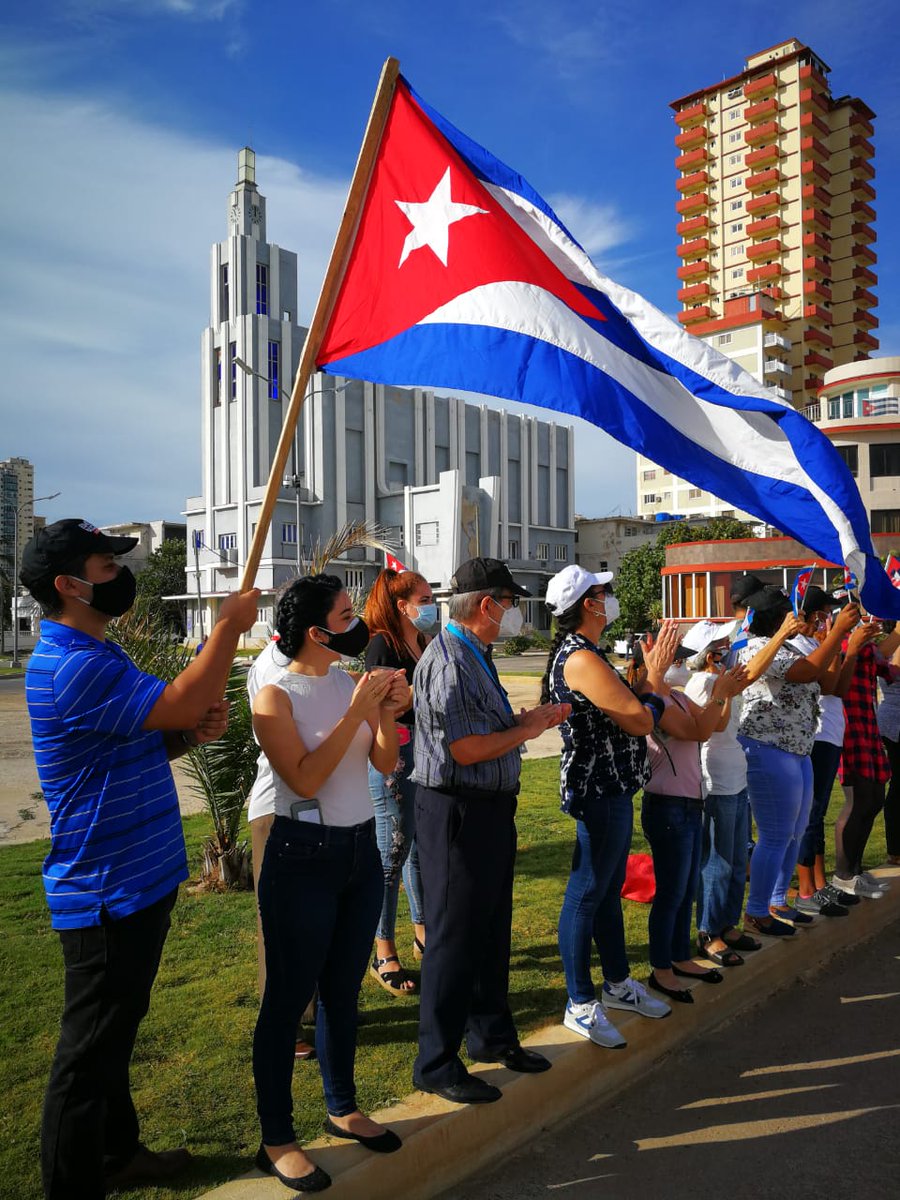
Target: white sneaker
592, 1022
634, 997
883, 885
848, 886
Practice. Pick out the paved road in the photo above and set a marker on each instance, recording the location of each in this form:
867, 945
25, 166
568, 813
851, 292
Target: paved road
799, 1097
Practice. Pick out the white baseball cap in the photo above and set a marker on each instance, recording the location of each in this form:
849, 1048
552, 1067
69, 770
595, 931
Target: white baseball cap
569, 585
706, 633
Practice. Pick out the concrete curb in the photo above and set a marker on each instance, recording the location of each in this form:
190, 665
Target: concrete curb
444, 1144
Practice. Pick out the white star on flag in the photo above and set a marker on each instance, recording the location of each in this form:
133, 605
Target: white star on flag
432, 219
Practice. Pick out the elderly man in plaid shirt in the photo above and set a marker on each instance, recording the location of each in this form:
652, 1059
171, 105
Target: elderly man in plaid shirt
467, 764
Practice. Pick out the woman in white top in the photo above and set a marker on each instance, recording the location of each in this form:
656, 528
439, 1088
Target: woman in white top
320, 884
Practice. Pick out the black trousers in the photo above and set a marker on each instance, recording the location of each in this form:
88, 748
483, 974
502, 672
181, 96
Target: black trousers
467, 852
89, 1126
892, 800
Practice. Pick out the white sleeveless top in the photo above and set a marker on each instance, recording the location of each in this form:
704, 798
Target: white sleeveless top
318, 703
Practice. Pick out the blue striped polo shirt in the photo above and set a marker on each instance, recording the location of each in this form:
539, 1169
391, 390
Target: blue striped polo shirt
116, 839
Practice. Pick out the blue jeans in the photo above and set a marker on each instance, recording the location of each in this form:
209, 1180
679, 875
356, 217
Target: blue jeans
780, 787
674, 827
723, 862
592, 906
825, 758
319, 892
394, 798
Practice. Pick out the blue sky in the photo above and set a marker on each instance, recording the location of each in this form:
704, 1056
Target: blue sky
122, 123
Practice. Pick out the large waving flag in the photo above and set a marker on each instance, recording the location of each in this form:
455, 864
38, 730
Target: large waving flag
462, 276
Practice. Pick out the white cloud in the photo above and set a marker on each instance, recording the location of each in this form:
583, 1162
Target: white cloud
598, 227
198, 10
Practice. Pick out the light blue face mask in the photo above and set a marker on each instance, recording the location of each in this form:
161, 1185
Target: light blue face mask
427, 617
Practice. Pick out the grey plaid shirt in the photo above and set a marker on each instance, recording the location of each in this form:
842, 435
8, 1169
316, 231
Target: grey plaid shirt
455, 697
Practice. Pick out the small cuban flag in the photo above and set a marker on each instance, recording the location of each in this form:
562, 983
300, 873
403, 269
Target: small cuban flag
798, 591
393, 564
744, 632
851, 584
892, 566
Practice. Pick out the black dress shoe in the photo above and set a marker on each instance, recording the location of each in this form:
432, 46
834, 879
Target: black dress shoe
470, 1090
381, 1143
517, 1058
680, 995
710, 976
148, 1166
316, 1181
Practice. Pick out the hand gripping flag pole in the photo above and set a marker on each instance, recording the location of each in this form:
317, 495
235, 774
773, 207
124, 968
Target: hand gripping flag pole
343, 244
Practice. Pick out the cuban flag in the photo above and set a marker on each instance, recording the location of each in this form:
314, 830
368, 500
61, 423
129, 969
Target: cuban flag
743, 633
393, 564
461, 276
892, 568
798, 591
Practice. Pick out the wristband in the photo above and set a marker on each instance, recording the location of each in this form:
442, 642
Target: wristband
656, 704
189, 738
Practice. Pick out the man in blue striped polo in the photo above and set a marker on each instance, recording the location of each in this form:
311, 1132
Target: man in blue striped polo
103, 734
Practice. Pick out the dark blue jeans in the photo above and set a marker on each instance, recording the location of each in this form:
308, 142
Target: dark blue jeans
723, 862
825, 759
592, 906
673, 827
320, 890
394, 798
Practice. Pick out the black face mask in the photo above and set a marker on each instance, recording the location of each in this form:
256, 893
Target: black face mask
113, 598
351, 642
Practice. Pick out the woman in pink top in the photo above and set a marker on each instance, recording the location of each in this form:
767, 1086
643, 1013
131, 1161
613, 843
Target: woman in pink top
672, 820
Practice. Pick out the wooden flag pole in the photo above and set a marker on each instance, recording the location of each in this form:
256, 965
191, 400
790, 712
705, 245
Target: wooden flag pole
343, 242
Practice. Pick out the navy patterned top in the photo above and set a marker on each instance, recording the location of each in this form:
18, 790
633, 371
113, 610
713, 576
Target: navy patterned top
599, 758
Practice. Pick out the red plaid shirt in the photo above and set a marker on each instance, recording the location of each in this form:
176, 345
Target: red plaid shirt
864, 752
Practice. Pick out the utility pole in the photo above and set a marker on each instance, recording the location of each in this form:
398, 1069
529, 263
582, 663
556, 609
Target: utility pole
197, 577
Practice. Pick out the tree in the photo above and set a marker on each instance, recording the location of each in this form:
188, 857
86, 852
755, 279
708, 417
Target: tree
164, 575
638, 584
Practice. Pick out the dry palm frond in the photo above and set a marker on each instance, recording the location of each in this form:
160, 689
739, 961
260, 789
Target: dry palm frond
353, 536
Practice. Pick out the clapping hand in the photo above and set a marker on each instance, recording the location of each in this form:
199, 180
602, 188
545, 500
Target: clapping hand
370, 693
660, 654
212, 724
545, 716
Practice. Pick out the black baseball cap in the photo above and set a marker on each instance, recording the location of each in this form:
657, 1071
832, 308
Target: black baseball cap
768, 597
483, 575
818, 600
743, 587
56, 546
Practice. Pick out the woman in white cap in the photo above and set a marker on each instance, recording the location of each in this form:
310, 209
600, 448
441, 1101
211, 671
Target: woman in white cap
603, 764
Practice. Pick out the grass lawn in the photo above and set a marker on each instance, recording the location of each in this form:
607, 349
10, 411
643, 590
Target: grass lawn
191, 1072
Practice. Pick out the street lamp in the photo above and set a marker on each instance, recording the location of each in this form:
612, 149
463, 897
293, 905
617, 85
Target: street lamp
15, 597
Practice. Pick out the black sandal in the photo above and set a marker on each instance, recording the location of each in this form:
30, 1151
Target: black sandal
392, 981
742, 942
722, 958
418, 949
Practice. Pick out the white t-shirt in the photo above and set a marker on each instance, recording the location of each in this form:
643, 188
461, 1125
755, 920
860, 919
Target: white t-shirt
266, 668
318, 703
722, 757
832, 719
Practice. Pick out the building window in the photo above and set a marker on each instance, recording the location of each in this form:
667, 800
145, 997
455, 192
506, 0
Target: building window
274, 389
737, 227
543, 550
228, 541
736, 205
262, 290
218, 396
289, 532
650, 499
223, 290
723, 339
735, 136
850, 455
737, 181
286, 315
427, 533
232, 358
694, 493
847, 404
354, 578
513, 548
834, 409
737, 272
884, 459
733, 159
199, 538
737, 251
648, 475
561, 552
734, 92
885, 520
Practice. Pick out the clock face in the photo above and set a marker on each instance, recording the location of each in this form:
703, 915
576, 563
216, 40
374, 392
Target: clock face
255, 214
235, 215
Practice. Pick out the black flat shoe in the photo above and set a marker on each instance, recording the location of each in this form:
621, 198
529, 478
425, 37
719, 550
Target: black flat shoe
381, 1143
772, 928
710, 976
517, 1058
470, 1090
681, 995
316, 1181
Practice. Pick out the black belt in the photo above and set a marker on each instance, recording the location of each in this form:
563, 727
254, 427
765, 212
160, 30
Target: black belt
474, 793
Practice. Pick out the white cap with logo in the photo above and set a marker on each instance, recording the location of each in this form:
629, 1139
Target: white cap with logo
706, 633
570, 584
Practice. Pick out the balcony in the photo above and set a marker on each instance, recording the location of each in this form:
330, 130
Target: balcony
691, 116
762, 133
693, 225
816, 78
761, 111
816, 219
862, 169
698, 291
866, 298
820, 361
700, 312
762, 180
858, 121
783, 394
861, 317
811, 147
693, 183
693, 270
866, 339
809, 122
859, 208
817, 267
775, 341
814, 172
862, 146
691, 160
859, 187
863, 232
862, 254
812, 101
864, 275
768, 225
694, 249
815, 312
815, 195
763, 156
813, 412
756, 89
691, 137
692, 203
769, 249
760, 274
814, 290
774, 366
758, 205
819, 336
817, 241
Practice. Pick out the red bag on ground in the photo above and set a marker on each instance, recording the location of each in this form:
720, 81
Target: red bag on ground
640, 882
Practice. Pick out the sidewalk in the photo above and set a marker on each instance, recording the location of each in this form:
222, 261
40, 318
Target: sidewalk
444, 1144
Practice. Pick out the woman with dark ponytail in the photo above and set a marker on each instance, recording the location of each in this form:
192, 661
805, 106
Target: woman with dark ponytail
603, 764
400, 612
320, 884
